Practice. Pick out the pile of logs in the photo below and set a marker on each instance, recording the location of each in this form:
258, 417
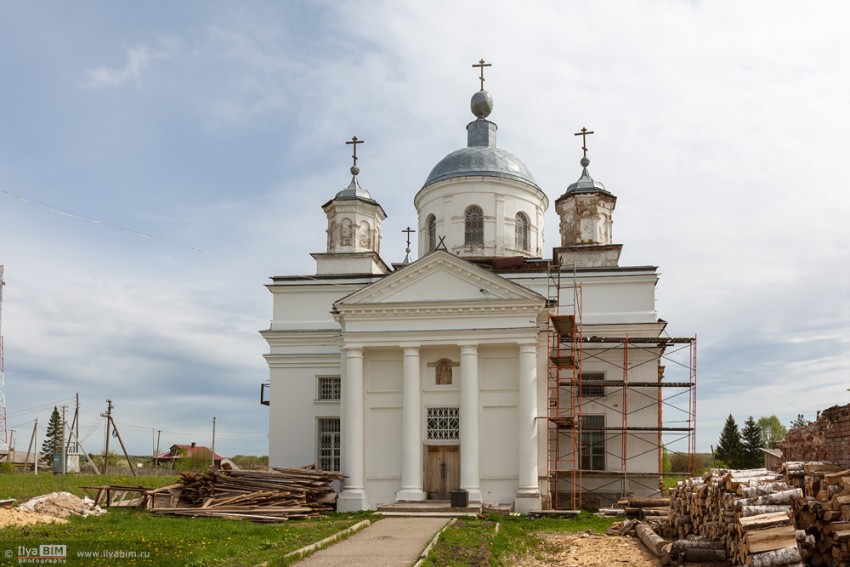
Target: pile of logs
748, 512
263, 496
823, 513
647, 509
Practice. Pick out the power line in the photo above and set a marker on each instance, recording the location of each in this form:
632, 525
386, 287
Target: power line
78, 216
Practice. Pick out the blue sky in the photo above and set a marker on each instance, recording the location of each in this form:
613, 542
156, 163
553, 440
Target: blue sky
159, 161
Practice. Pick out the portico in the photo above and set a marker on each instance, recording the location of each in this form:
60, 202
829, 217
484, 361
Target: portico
481, 368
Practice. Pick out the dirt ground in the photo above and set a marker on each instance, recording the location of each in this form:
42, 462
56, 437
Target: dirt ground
16, 517
590, 550
593, 550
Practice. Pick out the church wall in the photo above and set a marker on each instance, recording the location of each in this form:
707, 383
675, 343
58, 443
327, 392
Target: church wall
607, 297
383, 372
307, 307
621, 301
293, 427
498, 454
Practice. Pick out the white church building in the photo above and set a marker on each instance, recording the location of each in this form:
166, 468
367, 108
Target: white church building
482, 366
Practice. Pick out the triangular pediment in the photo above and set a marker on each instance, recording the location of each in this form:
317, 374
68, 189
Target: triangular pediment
440, 277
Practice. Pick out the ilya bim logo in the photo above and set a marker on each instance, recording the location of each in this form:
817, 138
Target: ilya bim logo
44, 553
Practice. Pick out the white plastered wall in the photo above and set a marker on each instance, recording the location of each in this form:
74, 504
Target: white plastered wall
500, 200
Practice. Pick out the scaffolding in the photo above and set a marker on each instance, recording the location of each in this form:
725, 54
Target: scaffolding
589, 460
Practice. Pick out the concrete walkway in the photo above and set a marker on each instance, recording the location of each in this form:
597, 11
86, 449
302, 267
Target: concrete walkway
391, 542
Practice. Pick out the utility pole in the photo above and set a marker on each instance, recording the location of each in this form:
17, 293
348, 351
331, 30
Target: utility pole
83, 449
35, 436
63, 448
156, 452
213, 445
11, 454
108, 416
71, 428
29, 448
110, 424
3, 424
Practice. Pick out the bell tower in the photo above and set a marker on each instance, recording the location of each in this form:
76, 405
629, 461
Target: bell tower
585, 212
354, 230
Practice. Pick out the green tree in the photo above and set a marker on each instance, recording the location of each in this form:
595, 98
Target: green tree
199, 459
251, 462
54, 440
751, 443
800, 421
729, 447
772, 431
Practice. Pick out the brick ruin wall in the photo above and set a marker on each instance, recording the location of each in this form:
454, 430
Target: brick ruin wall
827, 439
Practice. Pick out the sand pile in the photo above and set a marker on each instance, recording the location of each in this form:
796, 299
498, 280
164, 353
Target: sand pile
61, 505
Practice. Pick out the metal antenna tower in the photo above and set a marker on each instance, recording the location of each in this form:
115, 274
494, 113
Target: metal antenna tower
4, 432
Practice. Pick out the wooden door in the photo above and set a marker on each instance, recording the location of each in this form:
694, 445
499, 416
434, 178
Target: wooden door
442, 470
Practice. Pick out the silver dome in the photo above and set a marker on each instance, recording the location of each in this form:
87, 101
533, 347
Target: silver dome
479, 161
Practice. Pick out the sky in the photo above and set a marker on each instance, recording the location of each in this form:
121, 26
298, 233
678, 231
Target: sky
159, 161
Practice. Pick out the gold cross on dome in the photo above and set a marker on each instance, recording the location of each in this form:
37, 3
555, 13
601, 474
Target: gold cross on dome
354, 141
481, 64
584, 134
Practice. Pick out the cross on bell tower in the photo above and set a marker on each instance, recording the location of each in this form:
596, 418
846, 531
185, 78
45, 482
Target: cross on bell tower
584, 134
354, 141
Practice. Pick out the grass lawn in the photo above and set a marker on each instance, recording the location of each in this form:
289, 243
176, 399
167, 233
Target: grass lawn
23, 486
135, 537
498, 540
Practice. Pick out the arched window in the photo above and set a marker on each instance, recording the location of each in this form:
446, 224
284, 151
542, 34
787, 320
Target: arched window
521, 227
431, 228
474, 225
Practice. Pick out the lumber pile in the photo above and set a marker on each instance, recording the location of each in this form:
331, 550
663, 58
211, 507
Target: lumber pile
264, 496
747, 511
823, 513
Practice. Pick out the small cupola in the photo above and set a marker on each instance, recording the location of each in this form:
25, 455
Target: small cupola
585, 212
354, 229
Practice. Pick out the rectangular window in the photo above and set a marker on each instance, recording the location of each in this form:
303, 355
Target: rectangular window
443, 424
329, 388
593, 442
328, 443
592, 390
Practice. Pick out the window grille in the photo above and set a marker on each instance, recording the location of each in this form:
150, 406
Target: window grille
443, 424
474, 227
592, 390
521, 229
432, 233
329, 387
329, 443
593, 442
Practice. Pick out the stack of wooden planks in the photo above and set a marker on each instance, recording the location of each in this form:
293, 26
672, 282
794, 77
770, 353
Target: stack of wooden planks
264, 496
823, 513
749, 511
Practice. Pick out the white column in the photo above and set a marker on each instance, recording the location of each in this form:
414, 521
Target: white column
470, 479
353, 497
411, 429
528, 489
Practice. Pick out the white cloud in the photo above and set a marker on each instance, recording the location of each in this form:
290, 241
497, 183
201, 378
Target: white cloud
138, 60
